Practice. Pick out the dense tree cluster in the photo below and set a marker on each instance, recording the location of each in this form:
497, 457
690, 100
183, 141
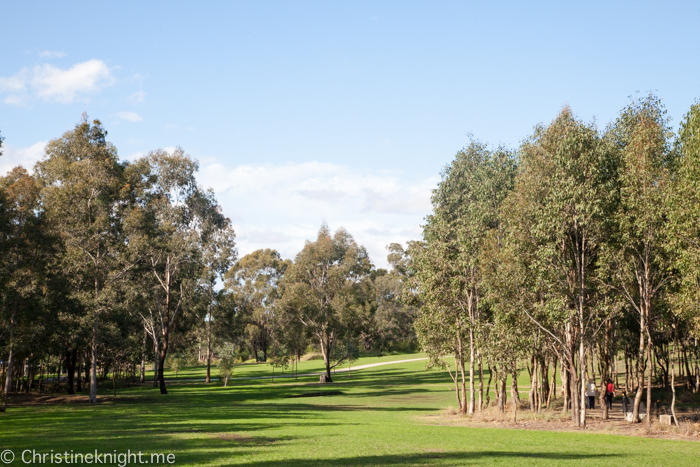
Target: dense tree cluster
106, 265
580, 250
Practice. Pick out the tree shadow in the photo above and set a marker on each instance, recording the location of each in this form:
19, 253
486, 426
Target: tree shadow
429, 458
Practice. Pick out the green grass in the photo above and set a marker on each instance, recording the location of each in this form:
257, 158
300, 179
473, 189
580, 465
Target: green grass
379, 419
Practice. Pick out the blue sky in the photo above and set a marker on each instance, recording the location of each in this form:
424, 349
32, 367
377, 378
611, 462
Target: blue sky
301, 112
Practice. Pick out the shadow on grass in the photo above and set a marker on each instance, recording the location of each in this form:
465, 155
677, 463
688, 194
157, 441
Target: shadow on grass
427, 458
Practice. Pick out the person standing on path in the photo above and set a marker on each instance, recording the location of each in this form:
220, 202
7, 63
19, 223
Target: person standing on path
609, 393
590, 393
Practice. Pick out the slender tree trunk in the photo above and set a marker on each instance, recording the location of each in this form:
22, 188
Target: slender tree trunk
462, 373
8, 377
155, 363
79, 372
513, 394
673, 391
209, 347
647, 420
573, 393
326, 352
71, 360
533, 383
481, 384
472, 357
584, 371
565, 386
640, 369
93, 363
502, 394
142, 376
488, 387
209, 335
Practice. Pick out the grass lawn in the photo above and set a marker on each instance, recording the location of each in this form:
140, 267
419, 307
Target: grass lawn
379, 419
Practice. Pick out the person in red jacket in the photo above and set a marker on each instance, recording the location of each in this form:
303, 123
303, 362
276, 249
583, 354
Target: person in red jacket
609, 393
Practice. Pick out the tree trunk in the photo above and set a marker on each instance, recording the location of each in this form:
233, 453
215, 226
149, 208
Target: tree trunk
565, 386
584, 379
472, 358
502, 394
533, 383
71, 360
161, 366
326, 352
8, 377
79, 372
155, 363
481, 384
142, 377
209, 339
673, 390
463, 375
647, 419
487, 397
513, 393
208, 352
573, 393
93, 363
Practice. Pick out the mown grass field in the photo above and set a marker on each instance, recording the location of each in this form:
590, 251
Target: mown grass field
381, 418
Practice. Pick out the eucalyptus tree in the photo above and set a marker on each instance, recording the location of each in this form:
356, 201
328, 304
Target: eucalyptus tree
217, 242
180, 213
392, 319
253, 283
86, 199
566, 188
327, 290
25, 268
465, 208
638, 256
684, 200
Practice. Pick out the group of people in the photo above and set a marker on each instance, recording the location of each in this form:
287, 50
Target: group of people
592, 391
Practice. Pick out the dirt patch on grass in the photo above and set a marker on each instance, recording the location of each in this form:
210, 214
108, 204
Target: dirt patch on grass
550, 420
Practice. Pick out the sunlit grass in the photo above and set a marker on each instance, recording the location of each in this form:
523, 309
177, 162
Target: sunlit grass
376, 420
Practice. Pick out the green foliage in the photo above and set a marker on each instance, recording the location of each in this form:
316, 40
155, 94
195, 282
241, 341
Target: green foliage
327, 290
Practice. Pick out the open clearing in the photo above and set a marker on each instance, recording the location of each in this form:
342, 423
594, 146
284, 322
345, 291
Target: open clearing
384, 415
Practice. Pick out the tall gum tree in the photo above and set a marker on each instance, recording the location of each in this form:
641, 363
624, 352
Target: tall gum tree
83, 197
326, 290
684, 200
253, 284
27, 250
465, 208
181, 215
638, 254
565, 189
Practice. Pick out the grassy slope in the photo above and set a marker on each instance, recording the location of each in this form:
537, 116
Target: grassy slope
376, 421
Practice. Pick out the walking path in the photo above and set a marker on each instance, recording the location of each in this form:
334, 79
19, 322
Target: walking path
341, 370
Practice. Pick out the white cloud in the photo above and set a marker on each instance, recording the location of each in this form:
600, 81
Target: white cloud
129, 116
53, 84
15, 83
51, 54
138, 97
281, 206
26, 157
